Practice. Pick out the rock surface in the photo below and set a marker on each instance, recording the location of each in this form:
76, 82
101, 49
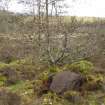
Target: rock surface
65, 81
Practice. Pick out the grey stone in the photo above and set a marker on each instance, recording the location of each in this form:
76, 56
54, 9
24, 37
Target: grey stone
65, 81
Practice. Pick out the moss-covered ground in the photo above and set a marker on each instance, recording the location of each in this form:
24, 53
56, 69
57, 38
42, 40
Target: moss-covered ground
30, 79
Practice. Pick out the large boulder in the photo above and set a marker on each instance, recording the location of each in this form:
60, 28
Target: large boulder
65, 81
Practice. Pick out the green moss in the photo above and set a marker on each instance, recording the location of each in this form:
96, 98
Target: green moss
94, 82
53, 99
73, 96
3, 65
2, 83
54, 69
16, 63
37, 85
2, 80
23, 66
95, 77
21, 61
21, 87
94, 98
44, 75
82, 66
71, 93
